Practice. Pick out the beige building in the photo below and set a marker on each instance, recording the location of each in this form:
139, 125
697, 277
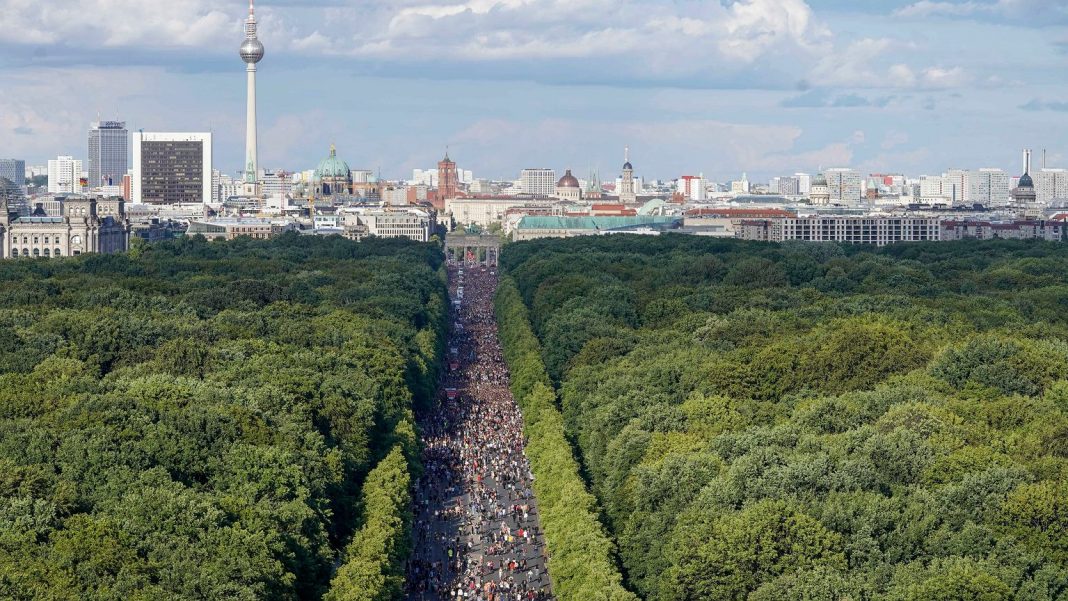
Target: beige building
484, 211
75, 226
413, 224
245, 227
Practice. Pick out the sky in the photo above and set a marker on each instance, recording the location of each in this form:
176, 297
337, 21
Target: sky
768, 87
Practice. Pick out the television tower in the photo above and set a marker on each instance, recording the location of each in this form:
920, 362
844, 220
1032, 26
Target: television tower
251, 53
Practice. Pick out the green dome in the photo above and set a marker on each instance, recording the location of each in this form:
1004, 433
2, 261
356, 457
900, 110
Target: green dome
332, 167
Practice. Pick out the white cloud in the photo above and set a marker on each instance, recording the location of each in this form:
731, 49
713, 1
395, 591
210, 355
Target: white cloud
930, 8
117, 23
735, 43
941, 78
755, 26
1041, 12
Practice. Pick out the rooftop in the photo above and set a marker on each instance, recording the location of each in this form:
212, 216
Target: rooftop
545, 222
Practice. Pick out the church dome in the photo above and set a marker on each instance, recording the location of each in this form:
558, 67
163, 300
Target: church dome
819, 180
332, 167
1026, 181
568, 181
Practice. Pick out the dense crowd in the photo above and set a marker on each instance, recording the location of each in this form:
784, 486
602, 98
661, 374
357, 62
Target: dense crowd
476, 525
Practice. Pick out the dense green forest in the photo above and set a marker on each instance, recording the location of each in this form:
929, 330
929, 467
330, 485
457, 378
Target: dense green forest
813, 421
228, 420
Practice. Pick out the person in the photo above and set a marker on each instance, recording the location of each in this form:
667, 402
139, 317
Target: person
476, 523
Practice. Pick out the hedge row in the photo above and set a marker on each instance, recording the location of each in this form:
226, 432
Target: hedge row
374, 561
582, 562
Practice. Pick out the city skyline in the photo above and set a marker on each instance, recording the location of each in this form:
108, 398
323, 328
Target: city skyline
768, 87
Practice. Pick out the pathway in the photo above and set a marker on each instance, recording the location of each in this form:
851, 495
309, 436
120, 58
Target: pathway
476, 532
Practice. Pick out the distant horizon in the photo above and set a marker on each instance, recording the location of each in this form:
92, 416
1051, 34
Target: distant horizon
768, 87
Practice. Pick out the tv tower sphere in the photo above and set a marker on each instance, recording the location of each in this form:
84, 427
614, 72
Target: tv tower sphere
251, 48
252, 51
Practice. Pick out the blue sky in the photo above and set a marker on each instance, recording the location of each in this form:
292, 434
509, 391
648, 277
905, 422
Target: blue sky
693, 86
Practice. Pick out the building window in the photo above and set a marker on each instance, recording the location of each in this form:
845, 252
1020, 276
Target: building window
58, 253
36, 252
47, 253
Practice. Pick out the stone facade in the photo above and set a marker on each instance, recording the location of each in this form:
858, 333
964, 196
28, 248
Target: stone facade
82, 226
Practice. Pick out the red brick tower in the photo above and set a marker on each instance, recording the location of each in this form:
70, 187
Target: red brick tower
448, 182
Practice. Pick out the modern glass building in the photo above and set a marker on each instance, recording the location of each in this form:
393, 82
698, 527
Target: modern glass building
14, 171
108, 153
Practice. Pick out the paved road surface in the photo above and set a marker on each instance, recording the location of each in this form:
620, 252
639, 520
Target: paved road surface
476, 532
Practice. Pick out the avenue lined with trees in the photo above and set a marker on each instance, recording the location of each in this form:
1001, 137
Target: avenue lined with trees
199, 420
798, 421
704, 420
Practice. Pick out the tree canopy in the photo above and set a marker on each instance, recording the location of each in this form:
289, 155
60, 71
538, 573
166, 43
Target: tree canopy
814, 421
199, 420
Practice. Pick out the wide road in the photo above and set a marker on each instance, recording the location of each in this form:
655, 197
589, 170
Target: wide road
476, 532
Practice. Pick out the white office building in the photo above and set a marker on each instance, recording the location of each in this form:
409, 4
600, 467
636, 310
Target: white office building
541, 182
64, 175
692, 187
172, 168
424, 177
956, 186
1050, 185
804, 183
276, 184
787, 186
845, 186
989, 187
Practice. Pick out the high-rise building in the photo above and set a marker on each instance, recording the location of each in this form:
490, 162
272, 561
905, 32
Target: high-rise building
788, 186
172, 168
957, 186
931, 186
692, 187
251, 53
627, 192
276, 184
424, 177
804, 183
845, 186
64, 175
108, 153
540, 182
989, 187
14, 171
1050, 185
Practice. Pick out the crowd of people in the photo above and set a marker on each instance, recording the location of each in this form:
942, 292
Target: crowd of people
476, 532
